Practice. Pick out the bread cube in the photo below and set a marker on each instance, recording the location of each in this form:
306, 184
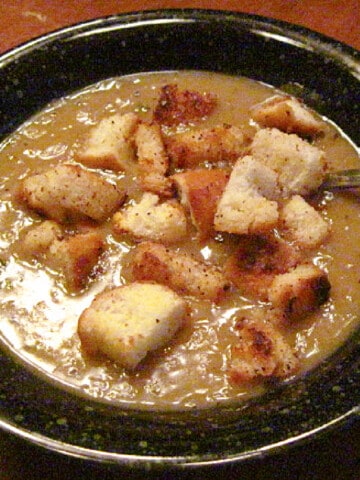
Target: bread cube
149, 219
153, 161
303, 223
75, 257
199, 191
300, 167
129, 321
246, 205
300, 291
288, 115
215, 145
256, 262
69, 193
180, 271
261, 352
109, 144
38, 239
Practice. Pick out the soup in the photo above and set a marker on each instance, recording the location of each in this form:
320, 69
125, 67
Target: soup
40, 312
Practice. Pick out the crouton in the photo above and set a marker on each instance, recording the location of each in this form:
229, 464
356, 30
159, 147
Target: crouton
127, 322
109, 144
151, 220
287, 114
303, 223
246, 205
180, 271
75, 257
199, 191
37, 240
221, 144
261, 352
300, 166
152, 160
256, 261
68, 193
300, 291
177, 107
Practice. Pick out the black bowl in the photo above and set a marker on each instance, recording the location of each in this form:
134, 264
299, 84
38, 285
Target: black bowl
272, 52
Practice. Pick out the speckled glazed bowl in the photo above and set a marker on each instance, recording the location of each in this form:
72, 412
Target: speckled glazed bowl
266, 50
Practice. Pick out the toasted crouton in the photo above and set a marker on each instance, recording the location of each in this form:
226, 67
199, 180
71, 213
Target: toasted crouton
177, 107
180, 271
75, 257
151, 220
199, 191
152, 160
256, 261
300, 291
127, 322
303, 223
300, 166
36, 242
109, 143
261, 352
287, 114
246, 205
68, 192
211, 145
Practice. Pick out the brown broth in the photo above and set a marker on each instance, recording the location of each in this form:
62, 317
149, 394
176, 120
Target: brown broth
39, 317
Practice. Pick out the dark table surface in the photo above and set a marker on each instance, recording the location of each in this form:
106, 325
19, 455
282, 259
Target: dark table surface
335, 455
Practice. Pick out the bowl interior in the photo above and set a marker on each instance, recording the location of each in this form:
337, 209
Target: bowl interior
326, 75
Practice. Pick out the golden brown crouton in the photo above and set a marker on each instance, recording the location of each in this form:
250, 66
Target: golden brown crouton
152, 159
151, 220
38, 239
221, 144
68, 192
261, 352
300, 291
287, 114
200, 191
246, 206
109, 144
300, 166
256, 262
180, 271
75, 257
177, 107
127, 322
303, 223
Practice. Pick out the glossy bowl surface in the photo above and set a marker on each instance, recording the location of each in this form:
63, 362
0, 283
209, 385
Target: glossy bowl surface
273, 52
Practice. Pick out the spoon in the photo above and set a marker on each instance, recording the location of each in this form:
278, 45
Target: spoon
341, 180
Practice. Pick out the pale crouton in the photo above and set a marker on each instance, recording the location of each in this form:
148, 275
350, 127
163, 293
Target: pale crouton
151, 220
152, 160
303, 223
180, 271
199, 191
38, 239
221, 144
300, 166
127, 322
287, 114
177, 107
256, 261
68, 192
75, 257
261, 352
109, 144
246, 205
300, 291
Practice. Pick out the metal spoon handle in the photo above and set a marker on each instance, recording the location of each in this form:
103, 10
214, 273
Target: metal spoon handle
341, 180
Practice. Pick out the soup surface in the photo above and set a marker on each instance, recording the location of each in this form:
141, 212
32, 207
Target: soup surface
39, 315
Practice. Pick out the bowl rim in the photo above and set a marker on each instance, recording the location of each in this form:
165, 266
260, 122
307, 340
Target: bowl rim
268, 27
